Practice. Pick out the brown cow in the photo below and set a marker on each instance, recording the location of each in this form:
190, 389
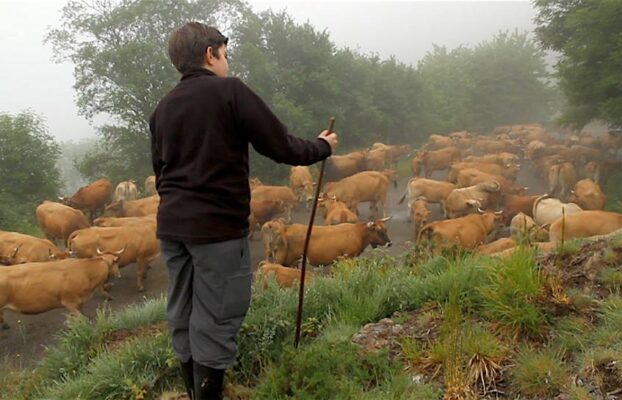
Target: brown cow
263, 211
35, 288
496, 246
285, 277
301, 182
471, 176
437, 142
335, 211
588, 195
509, 172
433, 191
468, 232
283, 193
366, 186
133, 208
271, 237
126, 190
139, 242
463, 201
376, 159
91, 198
438, 160
31, 249
585, 224
150, 186
58, 221
419, 213
562, 178
517, 204
339, 167
330, 242
486, 146
504, 159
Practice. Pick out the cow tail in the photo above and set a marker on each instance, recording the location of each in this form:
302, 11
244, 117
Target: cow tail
427, 231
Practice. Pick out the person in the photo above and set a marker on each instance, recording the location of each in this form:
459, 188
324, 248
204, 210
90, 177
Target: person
200, 134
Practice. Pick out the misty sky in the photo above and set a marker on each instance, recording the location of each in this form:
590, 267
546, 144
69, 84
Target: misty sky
30, 80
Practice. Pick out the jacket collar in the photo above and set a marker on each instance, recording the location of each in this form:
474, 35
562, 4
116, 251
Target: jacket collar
195, 72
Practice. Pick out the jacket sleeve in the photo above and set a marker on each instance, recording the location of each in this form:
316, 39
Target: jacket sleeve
156, 161
268, 135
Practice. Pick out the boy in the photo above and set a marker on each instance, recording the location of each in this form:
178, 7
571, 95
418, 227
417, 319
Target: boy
200, 133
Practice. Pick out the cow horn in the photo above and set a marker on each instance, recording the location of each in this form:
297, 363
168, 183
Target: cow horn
385, 219
479, 210
498, 212
525, 188
99, 252
118, 253
16, 250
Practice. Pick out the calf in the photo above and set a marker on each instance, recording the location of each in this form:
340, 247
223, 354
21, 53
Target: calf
285, 277
34, 288
336, 212
419, 213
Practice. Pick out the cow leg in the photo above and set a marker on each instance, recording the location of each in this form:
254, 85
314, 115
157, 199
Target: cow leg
73, 305
140, 274
104, 290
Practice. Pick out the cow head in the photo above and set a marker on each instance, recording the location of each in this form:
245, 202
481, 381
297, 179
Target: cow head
377, 233
13, 259
416, 166
420, 212
392, 175
112, 259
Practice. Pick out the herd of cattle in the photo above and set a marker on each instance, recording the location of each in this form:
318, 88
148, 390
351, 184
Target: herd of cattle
479, 198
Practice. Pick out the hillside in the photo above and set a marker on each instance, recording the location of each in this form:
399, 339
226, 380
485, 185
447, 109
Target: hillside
419, 326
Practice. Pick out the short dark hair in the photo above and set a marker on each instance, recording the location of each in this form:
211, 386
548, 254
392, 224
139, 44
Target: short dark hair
188, 44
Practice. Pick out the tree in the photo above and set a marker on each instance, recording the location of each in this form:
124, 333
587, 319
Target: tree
28, 172
588, 35
122, 69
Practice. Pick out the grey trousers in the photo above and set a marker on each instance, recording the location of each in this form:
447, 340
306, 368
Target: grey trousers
208, 297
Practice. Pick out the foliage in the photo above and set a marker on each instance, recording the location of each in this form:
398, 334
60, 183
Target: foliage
587, 34
28, 171
71, 153
122, 70
501, 81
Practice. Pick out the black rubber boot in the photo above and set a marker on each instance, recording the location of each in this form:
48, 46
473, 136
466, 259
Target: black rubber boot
187, 373
208, 382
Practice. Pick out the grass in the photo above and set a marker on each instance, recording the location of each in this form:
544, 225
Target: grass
539, 374
481, 324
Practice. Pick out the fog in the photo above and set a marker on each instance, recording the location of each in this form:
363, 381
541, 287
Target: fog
29, 79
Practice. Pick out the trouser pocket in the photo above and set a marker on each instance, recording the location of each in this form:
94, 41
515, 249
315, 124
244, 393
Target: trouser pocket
236, 296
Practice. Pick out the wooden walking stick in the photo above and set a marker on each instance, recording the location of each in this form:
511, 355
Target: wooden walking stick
301, 292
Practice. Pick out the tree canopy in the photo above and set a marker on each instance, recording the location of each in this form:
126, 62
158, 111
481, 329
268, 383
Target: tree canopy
588, 36
122, 69
28, 171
